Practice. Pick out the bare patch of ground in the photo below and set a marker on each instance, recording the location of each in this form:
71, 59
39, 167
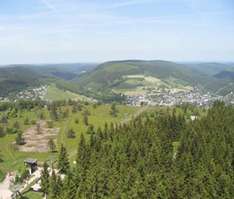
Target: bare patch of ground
5, 192
37, 137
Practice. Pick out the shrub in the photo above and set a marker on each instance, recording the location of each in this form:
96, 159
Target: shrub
12, 131
50, 124
19, 139
16, 125
71, 134
2, 132
52, 145
26, 121
33, 122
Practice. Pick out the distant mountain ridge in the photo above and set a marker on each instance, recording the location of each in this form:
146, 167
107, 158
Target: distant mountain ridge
109, 75
13, 79
225, 75
103, 80
211, 68
17, 77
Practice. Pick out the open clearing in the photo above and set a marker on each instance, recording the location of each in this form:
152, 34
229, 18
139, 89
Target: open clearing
13, 159
54, 94
37, 137
135, 85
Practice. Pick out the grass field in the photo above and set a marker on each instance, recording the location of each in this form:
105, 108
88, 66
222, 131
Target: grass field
13, 159
55, 94
140, 84
33, 195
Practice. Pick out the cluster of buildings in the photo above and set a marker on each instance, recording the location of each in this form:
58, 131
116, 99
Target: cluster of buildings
4, 99
33, 93
171, 98
28, 94
229, 98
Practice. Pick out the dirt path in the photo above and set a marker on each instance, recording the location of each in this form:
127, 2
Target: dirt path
5, 192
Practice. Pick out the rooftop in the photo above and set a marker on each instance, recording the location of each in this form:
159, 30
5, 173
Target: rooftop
30, 161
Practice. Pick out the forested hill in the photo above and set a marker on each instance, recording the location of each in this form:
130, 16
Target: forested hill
13, 79
225, 75
107, 81
162, 154
116, 74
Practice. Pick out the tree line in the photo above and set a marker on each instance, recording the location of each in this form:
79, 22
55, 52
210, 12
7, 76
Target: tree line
160, 155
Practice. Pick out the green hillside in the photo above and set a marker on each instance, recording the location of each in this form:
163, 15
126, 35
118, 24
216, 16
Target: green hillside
56, 94
13, 79
109, 80
114, 75
159, 154
211, 68
16, 78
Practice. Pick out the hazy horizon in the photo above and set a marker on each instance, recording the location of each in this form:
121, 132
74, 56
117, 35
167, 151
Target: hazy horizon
100, 62
59, 31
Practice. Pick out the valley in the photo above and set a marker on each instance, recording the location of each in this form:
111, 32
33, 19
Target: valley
118, 99
99, 115
129, 81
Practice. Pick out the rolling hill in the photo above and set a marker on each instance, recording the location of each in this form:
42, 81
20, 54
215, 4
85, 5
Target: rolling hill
225, 75
63, 71
13, 79
211, 68
108, 81
16, 78
132, 74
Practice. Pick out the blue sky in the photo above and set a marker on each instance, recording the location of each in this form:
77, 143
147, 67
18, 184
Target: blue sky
46, 31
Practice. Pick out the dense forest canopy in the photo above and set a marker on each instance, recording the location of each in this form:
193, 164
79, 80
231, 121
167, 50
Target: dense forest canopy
160, 154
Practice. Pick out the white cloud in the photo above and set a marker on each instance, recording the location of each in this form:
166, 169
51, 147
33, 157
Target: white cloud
74, 30
49, 5
128, 3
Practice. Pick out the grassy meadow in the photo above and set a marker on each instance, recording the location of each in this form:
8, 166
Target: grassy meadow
54, 93
98, 116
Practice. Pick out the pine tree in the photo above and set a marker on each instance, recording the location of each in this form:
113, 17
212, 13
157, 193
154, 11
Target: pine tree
16, 125
71, 134
86, 120
2, 132
54, 189
50, 124
1, 158
26, 121
19, 139
38, 128
4, 120
113, 110
53, 112
135, 160
63, 162
45, 183
51, 145
81, 150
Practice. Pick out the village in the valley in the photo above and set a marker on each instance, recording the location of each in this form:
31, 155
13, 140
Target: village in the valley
27, 94
171, 98
152, 97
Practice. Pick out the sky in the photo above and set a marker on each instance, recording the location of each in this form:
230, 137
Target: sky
55, 31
